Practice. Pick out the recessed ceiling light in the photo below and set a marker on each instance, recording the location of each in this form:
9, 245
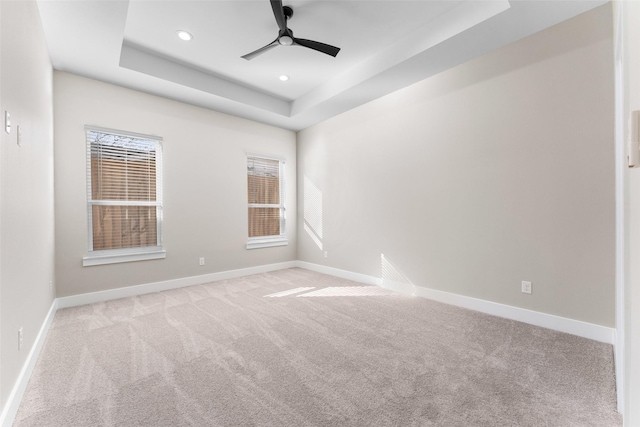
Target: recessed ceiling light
184, 35
284, 78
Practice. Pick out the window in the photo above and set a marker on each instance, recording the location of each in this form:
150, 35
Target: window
124, 196
265, 183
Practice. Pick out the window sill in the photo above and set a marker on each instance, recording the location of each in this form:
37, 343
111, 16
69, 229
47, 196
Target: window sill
267, 242
109, 257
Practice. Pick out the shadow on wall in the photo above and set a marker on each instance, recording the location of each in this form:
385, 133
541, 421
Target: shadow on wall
392, 278
313, 211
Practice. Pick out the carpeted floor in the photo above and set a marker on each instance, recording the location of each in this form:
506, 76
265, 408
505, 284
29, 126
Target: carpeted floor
262, 351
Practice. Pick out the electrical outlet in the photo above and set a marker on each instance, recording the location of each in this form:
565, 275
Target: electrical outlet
526, 287
326, 254
201, 260
20, 339
50, 286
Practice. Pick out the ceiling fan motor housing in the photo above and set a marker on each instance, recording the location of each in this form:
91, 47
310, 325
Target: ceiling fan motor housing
288, 12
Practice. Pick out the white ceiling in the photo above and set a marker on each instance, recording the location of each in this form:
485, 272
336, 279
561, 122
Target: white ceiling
385, 45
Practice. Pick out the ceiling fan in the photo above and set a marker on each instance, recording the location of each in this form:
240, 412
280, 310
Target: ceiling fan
285, 36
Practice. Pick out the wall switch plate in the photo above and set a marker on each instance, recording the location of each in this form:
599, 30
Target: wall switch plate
633, 145
7, 122
20, 339
201, 261
19, 138
526, 287
326, 254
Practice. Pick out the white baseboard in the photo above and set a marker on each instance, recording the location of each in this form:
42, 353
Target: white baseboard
344, 274
147, 288
549, 321
15, 397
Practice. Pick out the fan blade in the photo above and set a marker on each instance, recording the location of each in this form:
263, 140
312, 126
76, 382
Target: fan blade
278, 12
260, 51
320, 47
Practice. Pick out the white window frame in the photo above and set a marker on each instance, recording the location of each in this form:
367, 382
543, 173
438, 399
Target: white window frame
270, 241
112, 256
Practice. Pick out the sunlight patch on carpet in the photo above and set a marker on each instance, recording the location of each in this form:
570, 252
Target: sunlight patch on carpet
289, 292
349, 291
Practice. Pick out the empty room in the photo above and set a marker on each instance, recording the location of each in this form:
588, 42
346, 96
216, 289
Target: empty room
319, 213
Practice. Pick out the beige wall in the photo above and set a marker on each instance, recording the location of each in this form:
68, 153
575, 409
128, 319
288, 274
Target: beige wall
497, 171
26, 186
205, 184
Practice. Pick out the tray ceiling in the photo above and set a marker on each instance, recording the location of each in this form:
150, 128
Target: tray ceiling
385, 45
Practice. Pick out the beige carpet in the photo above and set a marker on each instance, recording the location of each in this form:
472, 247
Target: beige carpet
336, 353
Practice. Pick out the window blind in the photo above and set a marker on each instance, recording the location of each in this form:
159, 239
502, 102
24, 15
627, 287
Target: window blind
124, 191
266, 196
